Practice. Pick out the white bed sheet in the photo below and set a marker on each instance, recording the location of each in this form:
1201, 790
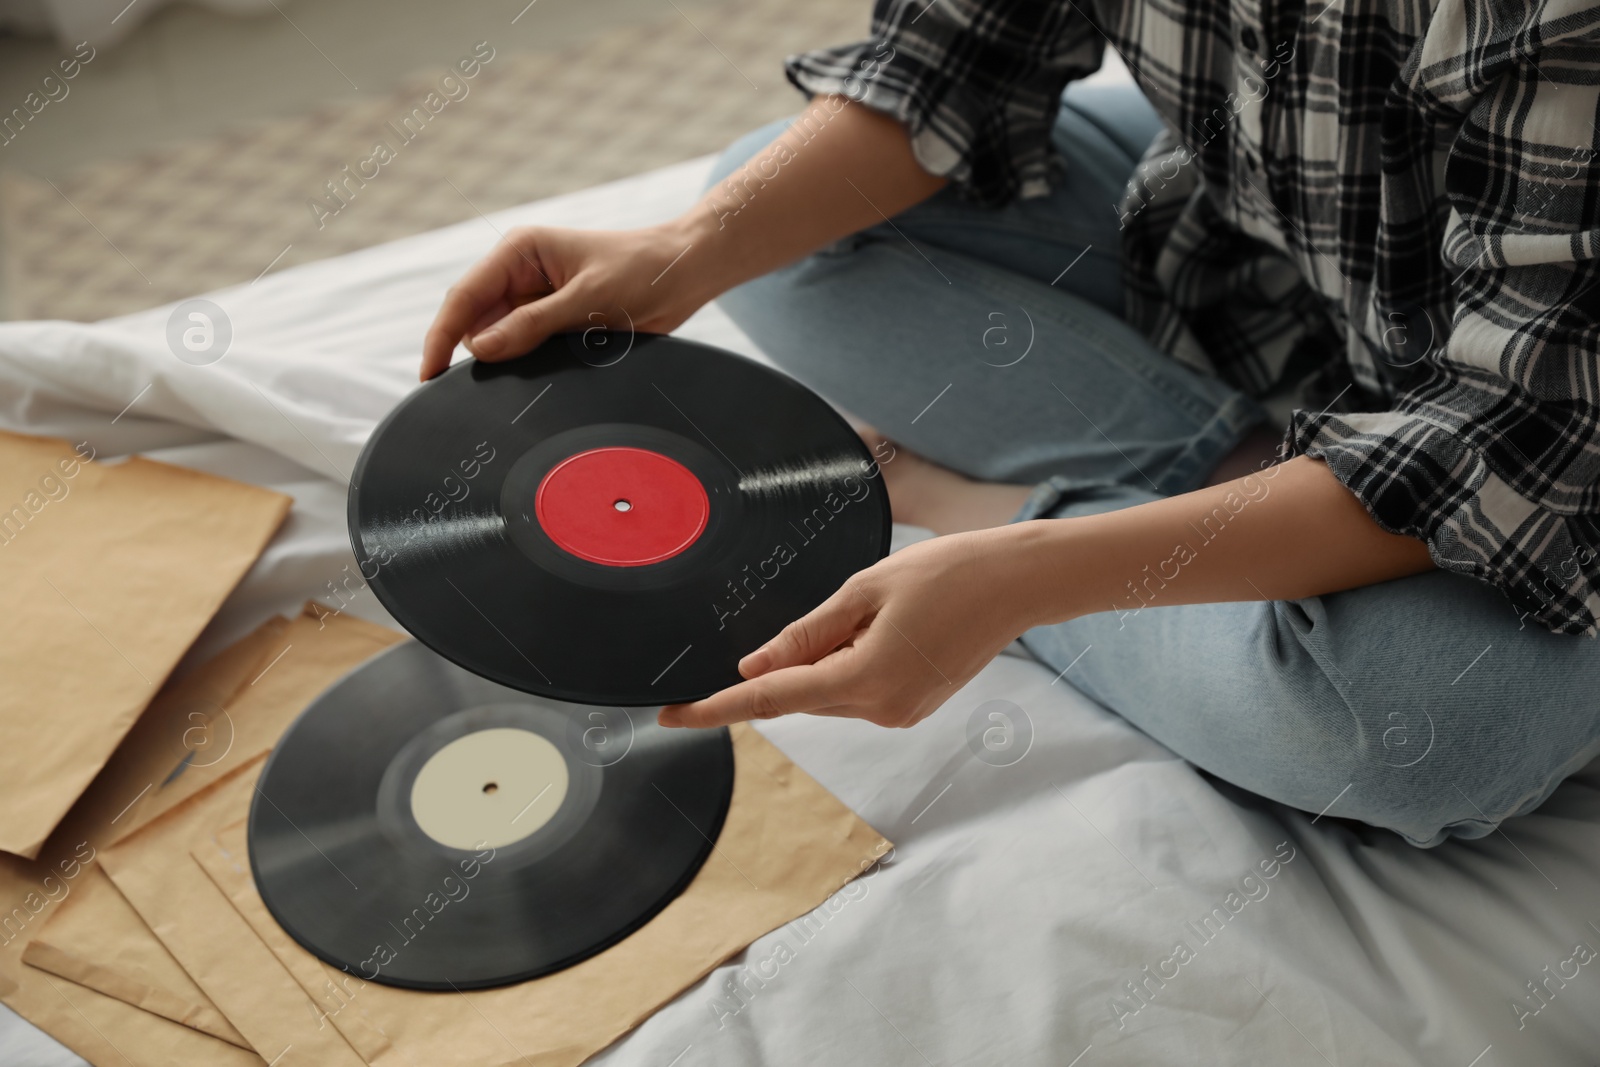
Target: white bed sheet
1021, 900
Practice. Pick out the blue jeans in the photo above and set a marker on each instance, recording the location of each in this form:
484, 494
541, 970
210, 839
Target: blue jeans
990, 341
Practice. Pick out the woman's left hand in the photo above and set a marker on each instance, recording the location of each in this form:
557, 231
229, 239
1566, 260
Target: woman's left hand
894, 643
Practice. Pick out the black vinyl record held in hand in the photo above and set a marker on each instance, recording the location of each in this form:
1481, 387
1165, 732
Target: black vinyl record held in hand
423, 827
612, 519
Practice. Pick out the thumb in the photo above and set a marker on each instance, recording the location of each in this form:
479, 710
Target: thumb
528, 325
810, 637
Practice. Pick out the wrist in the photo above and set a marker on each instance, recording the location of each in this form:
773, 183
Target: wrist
711, 261
1033, 563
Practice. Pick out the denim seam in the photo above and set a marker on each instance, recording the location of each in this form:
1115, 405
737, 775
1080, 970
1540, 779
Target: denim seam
1535, 797
1211, 445
1449, 830
1043, 498
955, 218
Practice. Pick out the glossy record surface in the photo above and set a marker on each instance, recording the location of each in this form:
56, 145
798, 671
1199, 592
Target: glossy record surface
343, 866
443, 517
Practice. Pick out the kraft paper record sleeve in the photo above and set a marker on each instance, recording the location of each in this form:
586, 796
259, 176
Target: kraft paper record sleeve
214, 944
97, 940
108, 572
787, 844
312, 652
183, 726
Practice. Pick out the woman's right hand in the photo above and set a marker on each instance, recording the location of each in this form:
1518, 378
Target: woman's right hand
541, 281
839, 170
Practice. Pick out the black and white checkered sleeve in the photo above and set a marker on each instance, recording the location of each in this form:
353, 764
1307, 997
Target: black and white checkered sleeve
976, 82
1494, 458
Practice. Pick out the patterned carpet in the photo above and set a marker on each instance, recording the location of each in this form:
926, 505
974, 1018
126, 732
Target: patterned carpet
120, 236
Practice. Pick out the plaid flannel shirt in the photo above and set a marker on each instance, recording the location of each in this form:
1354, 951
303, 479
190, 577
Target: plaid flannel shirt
1389, 204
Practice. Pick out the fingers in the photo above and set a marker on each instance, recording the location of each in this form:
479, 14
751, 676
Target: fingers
811, 688
812, 636
456, 313
502, 279
526, 326
802, 669
497, 311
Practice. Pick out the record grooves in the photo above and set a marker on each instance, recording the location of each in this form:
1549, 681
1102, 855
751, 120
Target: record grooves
617, 533
346, 825
567, 537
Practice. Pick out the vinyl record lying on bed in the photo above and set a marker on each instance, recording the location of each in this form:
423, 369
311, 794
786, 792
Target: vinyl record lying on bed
423, 827
612, 520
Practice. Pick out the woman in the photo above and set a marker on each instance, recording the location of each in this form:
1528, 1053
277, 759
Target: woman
1367, 229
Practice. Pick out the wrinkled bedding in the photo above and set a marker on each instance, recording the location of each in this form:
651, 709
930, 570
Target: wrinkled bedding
1073, 895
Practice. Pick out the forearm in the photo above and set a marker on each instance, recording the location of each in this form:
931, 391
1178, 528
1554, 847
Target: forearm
839, 168
1288, 532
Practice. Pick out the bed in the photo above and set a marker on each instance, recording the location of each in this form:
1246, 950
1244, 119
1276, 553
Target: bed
1084, 899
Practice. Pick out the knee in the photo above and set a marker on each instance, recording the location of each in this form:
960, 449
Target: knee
1425, 747
1432, 766
1397, 776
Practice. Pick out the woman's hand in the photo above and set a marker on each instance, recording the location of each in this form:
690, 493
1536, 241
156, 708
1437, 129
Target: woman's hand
840, 170
903, 635
541, 281
893, 644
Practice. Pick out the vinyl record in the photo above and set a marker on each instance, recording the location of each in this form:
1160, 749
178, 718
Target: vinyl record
423, 827
612, 519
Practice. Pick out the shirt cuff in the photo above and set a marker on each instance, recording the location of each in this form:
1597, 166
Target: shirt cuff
1418, 473
965, 138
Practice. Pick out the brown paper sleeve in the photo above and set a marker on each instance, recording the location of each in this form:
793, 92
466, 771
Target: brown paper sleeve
102, 1028
787, 845
154, 872
107, 575
96, 939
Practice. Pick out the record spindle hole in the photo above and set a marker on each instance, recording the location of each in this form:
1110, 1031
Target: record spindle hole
670, 498
586, 849
489, 788
581, 501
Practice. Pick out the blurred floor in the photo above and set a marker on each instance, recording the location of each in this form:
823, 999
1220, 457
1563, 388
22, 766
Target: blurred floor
200, 151
192, 72
190, 156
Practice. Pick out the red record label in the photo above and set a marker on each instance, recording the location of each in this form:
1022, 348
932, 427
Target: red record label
622, 506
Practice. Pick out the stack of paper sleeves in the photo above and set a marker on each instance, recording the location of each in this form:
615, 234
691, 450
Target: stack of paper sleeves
130, 927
